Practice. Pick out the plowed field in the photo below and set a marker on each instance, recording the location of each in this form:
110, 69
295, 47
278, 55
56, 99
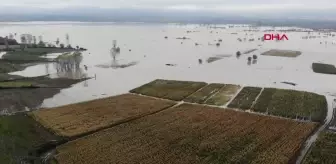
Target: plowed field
81, 118
192, 134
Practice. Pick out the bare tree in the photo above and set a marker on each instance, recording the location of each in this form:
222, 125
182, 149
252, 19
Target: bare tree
40, 38
34, 40
29, 38
115, 51
67, 39
57, 41
6, 42
11, 36
23, 42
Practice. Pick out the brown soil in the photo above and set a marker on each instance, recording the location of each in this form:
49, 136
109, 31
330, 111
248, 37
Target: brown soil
78, 119
191, 134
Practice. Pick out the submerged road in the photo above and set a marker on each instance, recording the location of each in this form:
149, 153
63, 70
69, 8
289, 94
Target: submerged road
314, 137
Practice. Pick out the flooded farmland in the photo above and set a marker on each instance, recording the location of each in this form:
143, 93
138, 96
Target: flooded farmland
146, 49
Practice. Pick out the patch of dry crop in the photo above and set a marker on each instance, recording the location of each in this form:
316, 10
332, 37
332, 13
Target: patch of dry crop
77, 119
192, 134
224, 95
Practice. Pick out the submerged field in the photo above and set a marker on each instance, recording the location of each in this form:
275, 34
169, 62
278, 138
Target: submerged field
323, 150
282, 53
78, 119
192, 134
324, 68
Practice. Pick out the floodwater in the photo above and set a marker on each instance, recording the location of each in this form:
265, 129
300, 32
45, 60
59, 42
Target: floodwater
1, 54
145, 53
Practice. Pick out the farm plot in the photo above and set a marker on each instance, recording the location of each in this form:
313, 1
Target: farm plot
224, 95
324, 68
203, 94
245, 98
292, 104
323, 150
20, 137
82, 118
249, 51
282, 53
192, 134
169, 89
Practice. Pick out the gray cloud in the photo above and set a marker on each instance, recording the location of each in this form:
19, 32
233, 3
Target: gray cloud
182, 4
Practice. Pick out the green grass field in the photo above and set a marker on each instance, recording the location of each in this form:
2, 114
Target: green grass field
203, 94
245, 98
20, 135
292, 104
16, 84
169, 89
224, 95
323, 150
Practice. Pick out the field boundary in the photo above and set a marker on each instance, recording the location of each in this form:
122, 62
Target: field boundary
214, 94
234, 96
256, 99
64, 139
195, 92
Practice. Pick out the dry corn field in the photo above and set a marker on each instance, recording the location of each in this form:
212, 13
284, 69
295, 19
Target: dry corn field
191, 134
77, 119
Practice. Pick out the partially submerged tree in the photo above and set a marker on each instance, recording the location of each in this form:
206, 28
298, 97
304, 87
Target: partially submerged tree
41, 44
29, 39
6, 42
249, 59
255, 57
23, 42
57, 41
238, 54
67, 37
34, 40
11, 36
61, 45
200, 61
40, 39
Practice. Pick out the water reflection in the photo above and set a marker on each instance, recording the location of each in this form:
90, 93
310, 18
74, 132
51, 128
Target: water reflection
254, 61
115, 51
68, 66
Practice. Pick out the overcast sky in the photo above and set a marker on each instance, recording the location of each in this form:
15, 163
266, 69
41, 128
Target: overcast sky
247, 5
